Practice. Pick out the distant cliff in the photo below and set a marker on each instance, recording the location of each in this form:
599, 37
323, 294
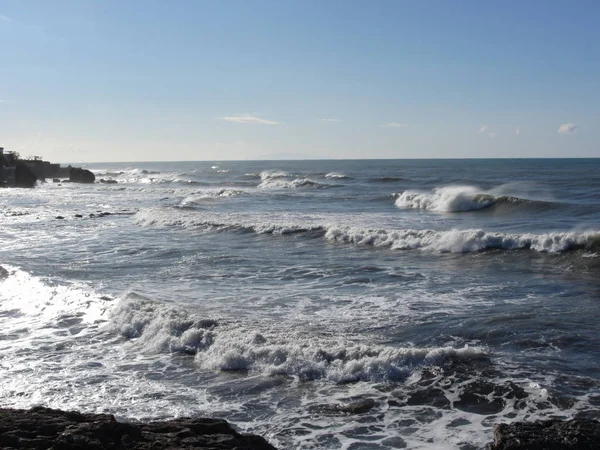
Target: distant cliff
17, 172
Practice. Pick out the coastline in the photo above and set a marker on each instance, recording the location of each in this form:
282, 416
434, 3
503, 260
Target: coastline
43, 428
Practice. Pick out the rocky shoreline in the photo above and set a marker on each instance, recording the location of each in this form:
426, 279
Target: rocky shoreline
44, 428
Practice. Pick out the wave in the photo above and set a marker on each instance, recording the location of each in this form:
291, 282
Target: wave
465, 241
386, 179
458, 199
444, 241
338, 175
277, 179
270, 349
202, 197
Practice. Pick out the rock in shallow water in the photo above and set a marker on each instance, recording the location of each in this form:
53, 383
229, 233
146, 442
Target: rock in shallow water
43, 428
576, 434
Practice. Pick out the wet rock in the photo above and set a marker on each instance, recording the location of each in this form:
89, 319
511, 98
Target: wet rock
79, 216
59, 217
108, 181
43, 428
430, 396
78, 175
580, 434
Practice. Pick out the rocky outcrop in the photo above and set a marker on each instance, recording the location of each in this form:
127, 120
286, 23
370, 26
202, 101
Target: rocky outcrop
576, 434
79, 175
24, 177
43, 428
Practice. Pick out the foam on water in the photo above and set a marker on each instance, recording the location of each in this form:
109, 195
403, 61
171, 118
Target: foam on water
338, 175
457, 198
273, 350
201, 197
463, 241
454, 241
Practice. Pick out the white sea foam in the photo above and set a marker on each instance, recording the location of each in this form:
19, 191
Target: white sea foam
454, 241
448, 198
278, 183
269, 349
201, 197
336, 175
272, 179
461, 241
468, 198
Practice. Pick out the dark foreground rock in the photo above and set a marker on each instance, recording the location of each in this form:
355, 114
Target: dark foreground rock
576, 434
43, 428
79, 175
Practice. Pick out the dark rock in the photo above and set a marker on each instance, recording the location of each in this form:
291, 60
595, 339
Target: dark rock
55, 180
109, 181
580, 434
24, 177
59, 217
79, 175
43, 428
79, 216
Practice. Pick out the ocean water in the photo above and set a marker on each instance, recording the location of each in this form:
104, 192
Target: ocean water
321, 304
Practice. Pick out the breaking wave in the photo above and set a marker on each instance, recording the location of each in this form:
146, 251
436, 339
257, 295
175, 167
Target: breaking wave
457, 199
282, 180
208, 195
270, 349
336, 175
445, 241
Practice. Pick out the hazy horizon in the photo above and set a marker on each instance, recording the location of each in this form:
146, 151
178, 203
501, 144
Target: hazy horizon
113, 81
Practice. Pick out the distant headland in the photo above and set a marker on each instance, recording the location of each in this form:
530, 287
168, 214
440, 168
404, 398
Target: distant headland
25, 172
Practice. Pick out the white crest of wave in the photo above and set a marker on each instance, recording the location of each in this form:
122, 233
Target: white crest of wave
159, 328
260, 224
460, 241
276, 179
336, 175
273, 174
210, 194
447, 199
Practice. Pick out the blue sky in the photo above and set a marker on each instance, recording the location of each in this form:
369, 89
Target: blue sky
86, 80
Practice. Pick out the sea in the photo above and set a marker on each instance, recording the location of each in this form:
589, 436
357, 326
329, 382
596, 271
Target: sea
323, 304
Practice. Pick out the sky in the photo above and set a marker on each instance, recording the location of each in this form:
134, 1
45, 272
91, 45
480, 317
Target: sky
94, 81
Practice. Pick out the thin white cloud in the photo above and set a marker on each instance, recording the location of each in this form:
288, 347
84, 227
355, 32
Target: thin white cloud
568, 128
248, 119
330, 120
394, 125
5, 19
483, 128
518, 131
492, 135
